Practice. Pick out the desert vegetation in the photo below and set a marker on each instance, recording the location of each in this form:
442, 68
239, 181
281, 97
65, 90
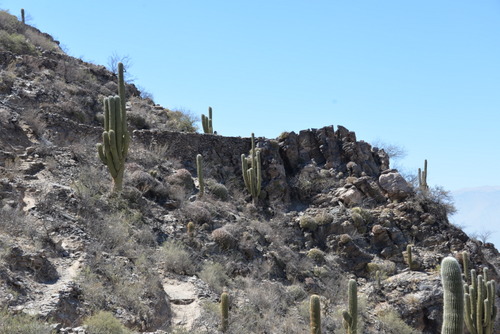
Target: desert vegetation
165, 230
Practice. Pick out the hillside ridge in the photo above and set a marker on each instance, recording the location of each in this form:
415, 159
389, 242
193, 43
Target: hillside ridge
331, 209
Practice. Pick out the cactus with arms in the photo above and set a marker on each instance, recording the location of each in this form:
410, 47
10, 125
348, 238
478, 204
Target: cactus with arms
351, 316
453, 296
315, 314
113, 151
206, 122
252, 175
422, 178
480, 309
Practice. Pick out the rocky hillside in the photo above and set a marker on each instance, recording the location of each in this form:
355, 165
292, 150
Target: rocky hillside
156, 257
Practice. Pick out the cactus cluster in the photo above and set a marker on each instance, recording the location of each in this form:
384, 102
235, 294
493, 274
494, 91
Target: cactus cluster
453, 296
351, 315
480, 309
113, 151
206, 122
422, 178
252, 175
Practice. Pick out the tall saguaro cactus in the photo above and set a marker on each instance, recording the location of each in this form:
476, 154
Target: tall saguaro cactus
453, 297
113, 151
23, 18
206, 122
480, 309
351, 315
199, 170
422, 178
315, 314
252, 175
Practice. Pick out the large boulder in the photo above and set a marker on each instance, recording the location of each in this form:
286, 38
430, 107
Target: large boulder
394, 185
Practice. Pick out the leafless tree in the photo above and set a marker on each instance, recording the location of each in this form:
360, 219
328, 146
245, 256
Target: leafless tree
113, 61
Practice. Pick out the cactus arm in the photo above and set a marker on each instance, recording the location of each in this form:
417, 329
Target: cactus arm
258, 175
199, 169
351, 315
468, 314
100, 151
453, 297
244, 168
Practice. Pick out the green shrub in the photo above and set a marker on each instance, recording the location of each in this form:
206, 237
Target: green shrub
308, 223
316, 255
15, 43
104, 322
21, 324
218, 190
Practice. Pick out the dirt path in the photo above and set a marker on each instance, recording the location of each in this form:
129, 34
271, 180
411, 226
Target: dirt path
184, 302
49, 296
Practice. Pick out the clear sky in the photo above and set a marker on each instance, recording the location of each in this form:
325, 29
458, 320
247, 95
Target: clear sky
424, 75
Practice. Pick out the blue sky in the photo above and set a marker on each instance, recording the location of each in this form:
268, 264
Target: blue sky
424, 75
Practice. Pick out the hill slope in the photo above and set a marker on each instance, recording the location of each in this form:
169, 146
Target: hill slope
330, 209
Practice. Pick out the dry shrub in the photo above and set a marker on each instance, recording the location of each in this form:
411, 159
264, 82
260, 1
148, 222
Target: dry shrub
224, 238
392, 323
214, 275
22, 323
176, 258
197, 212
182, 178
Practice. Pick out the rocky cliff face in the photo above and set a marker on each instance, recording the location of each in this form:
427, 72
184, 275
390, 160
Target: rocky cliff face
331, 208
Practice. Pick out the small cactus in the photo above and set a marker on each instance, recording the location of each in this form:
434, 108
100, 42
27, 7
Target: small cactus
409, 257
199, 169
190, 229
351, 315
315, 314
252, 175
453, 297
206, 122
224, 311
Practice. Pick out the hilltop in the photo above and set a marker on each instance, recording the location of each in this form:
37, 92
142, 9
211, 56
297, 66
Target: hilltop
331, 209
